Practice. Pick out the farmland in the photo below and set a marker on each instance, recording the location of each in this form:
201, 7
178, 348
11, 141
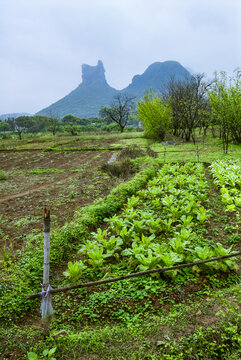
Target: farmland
62, 180
164, 215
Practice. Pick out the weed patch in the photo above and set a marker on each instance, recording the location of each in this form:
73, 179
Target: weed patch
124, 168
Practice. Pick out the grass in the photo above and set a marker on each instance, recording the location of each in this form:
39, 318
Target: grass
199, 330
209, 149
144, 318
45, 141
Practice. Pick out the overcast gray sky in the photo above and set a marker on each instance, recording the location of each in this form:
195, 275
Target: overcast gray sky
44, 43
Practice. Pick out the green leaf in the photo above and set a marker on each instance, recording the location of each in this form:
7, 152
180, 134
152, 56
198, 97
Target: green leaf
45, 352
52, 351
32, 356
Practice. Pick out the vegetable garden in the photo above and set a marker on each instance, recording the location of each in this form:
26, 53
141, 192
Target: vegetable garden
156, 227
169, 214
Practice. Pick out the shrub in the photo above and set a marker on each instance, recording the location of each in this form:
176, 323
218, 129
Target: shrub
123, 169
155, 116
132, 152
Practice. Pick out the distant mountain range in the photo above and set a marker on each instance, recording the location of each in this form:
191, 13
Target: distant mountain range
13, 115
94, 91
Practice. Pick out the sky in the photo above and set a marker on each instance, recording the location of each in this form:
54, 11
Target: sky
44, 43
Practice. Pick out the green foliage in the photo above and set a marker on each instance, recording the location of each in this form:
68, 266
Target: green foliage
6, 254
54, 125
155, 116
74, 271
96, 257
225, 100
3, 175
4, 126
24, 274
227, 175
71, 120
138, 235
47, 354
39, 171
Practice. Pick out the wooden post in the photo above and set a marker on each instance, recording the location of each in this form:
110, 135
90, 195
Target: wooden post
164, 153
197, 153
46, 222
46, 228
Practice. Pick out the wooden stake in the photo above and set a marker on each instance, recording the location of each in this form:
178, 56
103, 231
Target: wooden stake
164, 153
197, 153
46, 222
46, 225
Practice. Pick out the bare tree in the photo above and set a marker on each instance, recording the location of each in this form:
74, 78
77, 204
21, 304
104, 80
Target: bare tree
120, 110
189, 104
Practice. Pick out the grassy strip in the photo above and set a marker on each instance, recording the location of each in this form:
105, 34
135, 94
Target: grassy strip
39, 143
23, 276
57, 149
202, 330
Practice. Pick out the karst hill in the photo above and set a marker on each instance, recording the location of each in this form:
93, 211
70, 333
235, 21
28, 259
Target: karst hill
94, 91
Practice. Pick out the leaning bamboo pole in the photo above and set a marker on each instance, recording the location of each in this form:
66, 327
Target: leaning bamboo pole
152, 271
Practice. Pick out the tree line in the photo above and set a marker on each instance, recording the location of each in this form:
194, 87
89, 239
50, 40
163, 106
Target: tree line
70, 124
186, 107
195, 104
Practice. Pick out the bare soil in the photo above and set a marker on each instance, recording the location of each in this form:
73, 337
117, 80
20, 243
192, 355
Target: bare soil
77, 181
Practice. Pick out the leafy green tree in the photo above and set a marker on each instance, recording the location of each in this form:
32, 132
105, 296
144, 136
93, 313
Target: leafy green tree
23, 124
29, 124
155, 116
120, 111
11, 123
4, 126
39, 123
70, 120
225, 100
54, 125
72, 129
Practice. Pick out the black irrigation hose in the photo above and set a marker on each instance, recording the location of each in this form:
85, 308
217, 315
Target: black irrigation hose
100, 282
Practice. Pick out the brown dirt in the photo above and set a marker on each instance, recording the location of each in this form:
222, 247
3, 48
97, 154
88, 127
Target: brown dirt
23, 194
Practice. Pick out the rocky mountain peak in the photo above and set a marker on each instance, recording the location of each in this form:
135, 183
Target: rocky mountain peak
93, 74
94, 92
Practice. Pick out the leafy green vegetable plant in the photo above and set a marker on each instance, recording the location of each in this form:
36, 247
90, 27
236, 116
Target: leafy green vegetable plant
75, 271
47, 354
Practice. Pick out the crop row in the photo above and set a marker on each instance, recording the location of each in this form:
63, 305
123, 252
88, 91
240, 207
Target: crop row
227, 176
157, 227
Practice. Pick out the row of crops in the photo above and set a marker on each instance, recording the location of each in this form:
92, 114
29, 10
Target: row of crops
160, 225
227, 176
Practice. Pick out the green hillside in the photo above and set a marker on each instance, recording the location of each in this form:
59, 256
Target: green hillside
157, 76
94, 91
87, 98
